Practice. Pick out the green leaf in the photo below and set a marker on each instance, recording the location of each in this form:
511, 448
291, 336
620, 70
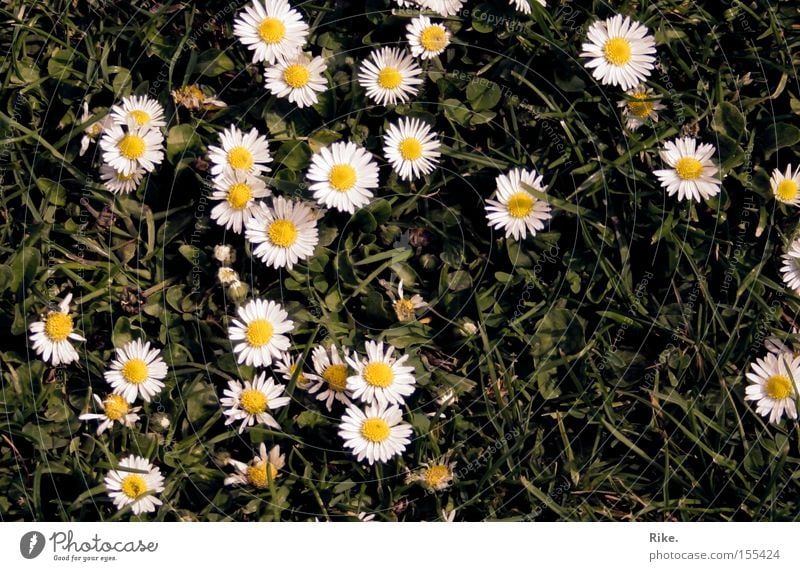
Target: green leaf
214, 62
729, 120
483, 94
179, 139
779, 136
24, 267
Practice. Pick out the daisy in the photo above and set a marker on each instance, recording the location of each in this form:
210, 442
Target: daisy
247, 153
342, 176
50, 338
785, 186
773, 385
778, 347
411, 148
390, 75
262, 470
227, 276
134, 483
284, 234
330, 380
405, 309
287, 366
377, 433
115, 409
119, 183
224, 254
639, 106
137, 371
516, 210
272, 29
692, 172
791, 266
434, 476
138, 111
380, 378
93, 131
621, 51
193, 97
260, 333
298, 78
524, 5
249, 402
237, 192
426, 39
443, 7
132, 150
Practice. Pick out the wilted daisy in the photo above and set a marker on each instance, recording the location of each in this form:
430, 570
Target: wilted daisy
443, 7
137, 371
425, 38
621, 51
405, 309
262, 470
193, 97
516, 210
411, 148
774, 379
224, 254
272, 29
134, 483
93, 131
298, 78
390, 75
380, 377
377, 433
288, 366
227, 276
639, 106
524, 6
115, 409
259, 332
139, 111
777, 346
119, 183
284, 234
786, 186
692, 172
50, 337
330, 377
250, 402
237, 192
342, 175
436, 475
791, 266
132, 150
247, 153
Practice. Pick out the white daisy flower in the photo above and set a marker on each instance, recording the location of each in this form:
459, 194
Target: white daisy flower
390, 76
138, 111
380, 378
259, 332
425, 38
134, 483
284, 234
330, 377
407, 3
115, 409
93, 131
692, 172
411, 148
640, 106
237, 192
262, 470
249, 402
791, 266
377, 433
137, 371
443, 7
621, 51
272, 29
247, 153
773, 385
298, 79
342, 176
119, 183
132, 150
50, 338
516, 210
524, 6
287, 366
435, 476
785, 186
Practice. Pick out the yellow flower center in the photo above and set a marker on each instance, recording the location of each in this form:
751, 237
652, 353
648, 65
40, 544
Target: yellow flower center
296, 75
257, 474
133, 486
688, 168
520, 204
378, 374
282, 233
239, 194
301, 377
336, 375
786, 190
140, 117
124, 177
240, 158
195, 92
271, 30
115, 407
436, 474
410, 149
342, 177
641, 108
259, 332
253, 401
57, 327
135, 371
778, 387
433, 38
390, 78
375, 430
617, 51
131, 147
404, 308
